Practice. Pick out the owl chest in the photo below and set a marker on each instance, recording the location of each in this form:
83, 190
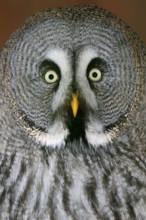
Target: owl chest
67, 187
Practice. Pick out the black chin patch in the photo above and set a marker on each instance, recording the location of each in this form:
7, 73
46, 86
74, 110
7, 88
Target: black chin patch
76, 125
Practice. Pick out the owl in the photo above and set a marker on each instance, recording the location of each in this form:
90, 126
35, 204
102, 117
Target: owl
73, 118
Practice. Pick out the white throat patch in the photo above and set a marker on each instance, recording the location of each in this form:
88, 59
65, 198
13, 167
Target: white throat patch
55, 137
98, 139
96, 136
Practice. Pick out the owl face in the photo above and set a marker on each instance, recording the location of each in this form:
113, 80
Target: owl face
69, 78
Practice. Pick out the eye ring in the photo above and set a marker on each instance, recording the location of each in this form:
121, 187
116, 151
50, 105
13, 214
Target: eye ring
95, 75
51, 76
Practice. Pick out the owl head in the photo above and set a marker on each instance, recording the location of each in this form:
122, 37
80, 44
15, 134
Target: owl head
73, 75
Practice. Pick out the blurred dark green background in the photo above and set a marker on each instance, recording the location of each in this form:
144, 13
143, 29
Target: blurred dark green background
14, 12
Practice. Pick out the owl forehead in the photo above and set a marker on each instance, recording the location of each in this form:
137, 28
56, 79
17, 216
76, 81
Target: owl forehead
69, 42
70, 35
80, 39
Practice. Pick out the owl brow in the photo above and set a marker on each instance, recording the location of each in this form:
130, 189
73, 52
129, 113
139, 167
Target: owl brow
49, 64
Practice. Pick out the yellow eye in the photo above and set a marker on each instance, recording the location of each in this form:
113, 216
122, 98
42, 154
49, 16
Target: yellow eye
51, 76
95, 75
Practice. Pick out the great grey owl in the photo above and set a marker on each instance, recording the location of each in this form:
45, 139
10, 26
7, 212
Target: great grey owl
73, 119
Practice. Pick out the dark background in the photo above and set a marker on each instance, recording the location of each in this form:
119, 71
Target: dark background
14, 12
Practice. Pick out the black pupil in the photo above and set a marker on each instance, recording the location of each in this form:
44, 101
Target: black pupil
51, 76
94, 74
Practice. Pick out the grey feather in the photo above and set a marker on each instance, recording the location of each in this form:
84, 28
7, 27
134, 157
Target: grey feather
57, 166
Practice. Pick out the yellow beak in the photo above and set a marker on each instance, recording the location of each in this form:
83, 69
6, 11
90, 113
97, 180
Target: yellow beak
74, 104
